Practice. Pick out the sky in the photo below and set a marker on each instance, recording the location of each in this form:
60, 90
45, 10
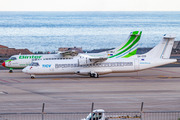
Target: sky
89, 5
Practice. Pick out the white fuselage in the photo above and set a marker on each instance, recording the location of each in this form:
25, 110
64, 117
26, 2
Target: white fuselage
73, 66
21, 61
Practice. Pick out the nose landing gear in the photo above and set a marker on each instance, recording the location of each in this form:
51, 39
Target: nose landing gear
11, 70
32, 76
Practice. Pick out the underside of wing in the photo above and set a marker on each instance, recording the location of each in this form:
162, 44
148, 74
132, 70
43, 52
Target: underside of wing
69, 53
94, 60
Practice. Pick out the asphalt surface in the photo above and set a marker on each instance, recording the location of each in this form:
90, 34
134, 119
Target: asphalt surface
158, 88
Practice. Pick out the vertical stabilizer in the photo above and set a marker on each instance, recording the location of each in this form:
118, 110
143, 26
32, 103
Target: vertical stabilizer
129, 47
163, 49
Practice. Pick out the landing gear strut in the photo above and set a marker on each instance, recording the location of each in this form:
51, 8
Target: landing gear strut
11, 70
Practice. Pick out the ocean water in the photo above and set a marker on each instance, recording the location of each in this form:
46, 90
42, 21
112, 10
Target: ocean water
47, 31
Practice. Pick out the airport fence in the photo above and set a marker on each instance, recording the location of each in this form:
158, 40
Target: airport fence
94, 115
163, 115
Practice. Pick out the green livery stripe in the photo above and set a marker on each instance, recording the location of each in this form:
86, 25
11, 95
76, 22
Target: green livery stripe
8, 60
129, 41
133, 36
135, 32
130, 54
138, 38
14, 68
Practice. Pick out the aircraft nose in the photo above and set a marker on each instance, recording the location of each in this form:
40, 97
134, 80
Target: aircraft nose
3, 64
24, 70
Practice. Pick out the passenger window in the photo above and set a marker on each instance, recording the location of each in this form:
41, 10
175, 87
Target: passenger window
115, 64
112, 64
96, 65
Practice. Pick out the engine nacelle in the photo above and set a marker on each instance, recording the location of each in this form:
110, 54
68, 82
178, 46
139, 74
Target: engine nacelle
98, 71
83, 72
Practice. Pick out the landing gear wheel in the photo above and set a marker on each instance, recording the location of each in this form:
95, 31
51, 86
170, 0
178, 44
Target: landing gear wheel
10, 71
32, 76
95, 75
91, 75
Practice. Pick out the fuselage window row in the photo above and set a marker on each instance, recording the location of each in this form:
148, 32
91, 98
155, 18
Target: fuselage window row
52, 59
95, 65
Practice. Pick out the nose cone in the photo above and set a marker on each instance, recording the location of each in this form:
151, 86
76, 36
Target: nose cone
24, 70
3, 64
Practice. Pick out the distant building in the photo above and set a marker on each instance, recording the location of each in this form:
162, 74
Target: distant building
7, 52
79, 50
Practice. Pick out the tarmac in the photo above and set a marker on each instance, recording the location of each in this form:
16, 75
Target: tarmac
157, 87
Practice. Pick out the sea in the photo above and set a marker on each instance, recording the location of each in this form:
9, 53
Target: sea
47, 31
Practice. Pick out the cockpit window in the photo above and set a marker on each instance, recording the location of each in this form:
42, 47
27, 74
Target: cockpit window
34, 64
12, 58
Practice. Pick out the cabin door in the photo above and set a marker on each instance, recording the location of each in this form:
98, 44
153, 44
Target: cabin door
136, 64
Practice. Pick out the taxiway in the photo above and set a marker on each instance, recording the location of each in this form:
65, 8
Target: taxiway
158, 88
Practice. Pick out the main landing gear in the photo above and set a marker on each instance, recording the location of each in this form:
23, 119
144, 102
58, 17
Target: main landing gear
94, 75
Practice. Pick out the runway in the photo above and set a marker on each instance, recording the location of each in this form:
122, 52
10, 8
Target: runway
158, 88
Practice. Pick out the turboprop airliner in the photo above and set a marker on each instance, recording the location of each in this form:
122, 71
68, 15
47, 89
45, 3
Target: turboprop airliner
126, 49
93, 67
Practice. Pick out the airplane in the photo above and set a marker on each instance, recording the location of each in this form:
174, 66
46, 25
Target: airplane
127, 49
93, 66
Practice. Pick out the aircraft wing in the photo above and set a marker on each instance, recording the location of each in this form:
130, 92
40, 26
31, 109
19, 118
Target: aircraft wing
69, 53
86, 59
94, 60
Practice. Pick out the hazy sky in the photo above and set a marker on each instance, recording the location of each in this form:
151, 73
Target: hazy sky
89, 5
